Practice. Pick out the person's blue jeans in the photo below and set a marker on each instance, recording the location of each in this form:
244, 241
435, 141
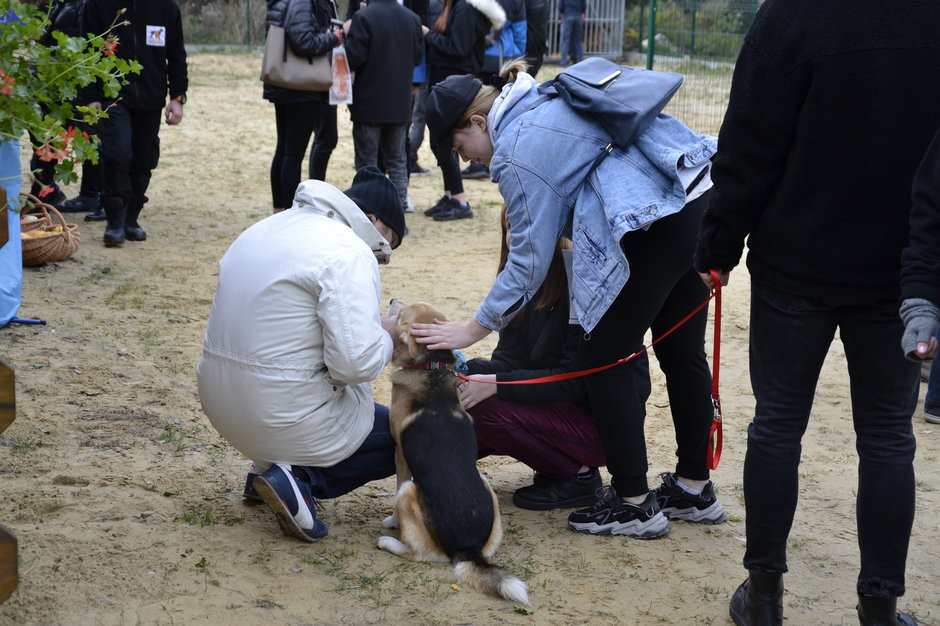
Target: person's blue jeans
374, 460
789, 338
932, 397
572, 37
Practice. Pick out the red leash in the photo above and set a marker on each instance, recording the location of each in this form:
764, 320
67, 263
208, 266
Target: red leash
713, 455
714, 432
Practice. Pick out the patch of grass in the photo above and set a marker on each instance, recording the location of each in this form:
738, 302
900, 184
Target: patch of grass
197, 515
21, 445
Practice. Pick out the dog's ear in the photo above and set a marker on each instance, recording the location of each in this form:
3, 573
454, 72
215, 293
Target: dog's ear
415, 350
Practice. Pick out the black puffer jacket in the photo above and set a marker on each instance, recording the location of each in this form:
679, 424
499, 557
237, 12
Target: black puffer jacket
306, 24
459, 49
67, 17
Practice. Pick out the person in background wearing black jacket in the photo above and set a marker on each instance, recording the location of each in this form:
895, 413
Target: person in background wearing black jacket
455, 46
384, 43
827, 121
152, 34
300, 114
920, 275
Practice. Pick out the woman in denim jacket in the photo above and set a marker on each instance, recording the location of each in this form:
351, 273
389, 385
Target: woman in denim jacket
633, 221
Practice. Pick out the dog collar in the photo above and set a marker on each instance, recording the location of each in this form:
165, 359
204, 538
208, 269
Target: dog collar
430, 365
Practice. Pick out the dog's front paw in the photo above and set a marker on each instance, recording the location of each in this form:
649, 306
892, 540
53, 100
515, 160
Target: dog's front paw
391, 521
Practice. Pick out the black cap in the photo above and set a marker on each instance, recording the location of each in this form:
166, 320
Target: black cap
447, 102
376, 194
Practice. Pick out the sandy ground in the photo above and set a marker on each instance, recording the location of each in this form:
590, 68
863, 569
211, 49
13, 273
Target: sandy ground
128, 507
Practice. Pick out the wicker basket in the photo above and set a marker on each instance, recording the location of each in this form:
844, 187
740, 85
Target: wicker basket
44, 221
51, 246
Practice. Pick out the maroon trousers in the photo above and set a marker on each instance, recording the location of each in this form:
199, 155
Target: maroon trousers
553, 438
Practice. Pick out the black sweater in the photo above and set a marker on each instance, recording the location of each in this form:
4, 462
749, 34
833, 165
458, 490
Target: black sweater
154, 38
832, 106
920, 262
542, 345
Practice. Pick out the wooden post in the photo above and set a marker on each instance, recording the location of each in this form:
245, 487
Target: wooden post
9, 576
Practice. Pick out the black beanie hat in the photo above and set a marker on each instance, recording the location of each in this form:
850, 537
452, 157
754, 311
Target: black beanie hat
375, 194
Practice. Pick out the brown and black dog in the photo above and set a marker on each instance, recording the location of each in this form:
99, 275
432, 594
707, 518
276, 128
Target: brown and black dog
447, 512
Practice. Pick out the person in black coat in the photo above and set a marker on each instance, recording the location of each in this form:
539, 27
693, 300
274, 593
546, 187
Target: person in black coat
300, 114
150, 33
384, 43
920, 275
828, 118
455, 45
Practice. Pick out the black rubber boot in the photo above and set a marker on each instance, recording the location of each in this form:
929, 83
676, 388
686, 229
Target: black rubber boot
115, 209
882, 612
758, 601
132, 230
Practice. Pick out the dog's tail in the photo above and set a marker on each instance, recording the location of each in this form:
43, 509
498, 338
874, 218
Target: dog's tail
474, 571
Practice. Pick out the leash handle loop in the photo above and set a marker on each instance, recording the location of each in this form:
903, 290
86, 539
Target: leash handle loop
713, 455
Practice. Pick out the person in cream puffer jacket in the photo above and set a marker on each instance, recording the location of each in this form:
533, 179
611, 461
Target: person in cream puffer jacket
295, 337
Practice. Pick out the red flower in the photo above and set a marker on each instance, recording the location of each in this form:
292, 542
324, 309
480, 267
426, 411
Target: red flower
110, 47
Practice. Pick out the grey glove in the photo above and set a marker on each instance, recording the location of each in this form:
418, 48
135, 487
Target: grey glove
921, 318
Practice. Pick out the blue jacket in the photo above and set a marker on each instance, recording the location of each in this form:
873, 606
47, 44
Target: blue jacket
541, 157
512, 37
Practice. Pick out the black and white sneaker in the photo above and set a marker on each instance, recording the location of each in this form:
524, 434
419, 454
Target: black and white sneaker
610, 515
677, 503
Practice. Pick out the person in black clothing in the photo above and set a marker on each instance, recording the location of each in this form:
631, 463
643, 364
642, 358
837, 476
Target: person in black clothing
66, 16
152, 34
384, 43
920, 275
300, 114
547, 426
827, 120
536, 34
455, 46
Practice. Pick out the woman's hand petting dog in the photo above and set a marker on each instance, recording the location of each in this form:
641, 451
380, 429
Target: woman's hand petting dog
472, 393
442, 335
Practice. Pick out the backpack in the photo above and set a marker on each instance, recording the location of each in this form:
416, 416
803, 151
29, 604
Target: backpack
624, 100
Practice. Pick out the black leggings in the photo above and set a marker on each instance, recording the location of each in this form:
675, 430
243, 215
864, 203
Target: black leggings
296, 122
661, 290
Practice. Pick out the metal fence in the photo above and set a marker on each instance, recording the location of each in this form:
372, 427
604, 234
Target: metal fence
701, 40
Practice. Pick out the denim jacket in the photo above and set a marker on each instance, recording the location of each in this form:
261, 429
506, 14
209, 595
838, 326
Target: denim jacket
541, 157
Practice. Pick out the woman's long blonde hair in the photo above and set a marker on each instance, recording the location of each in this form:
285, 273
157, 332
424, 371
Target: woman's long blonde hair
555, 285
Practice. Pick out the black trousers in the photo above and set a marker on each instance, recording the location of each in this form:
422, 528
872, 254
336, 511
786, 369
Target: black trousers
130, 150
662, 289
295, 123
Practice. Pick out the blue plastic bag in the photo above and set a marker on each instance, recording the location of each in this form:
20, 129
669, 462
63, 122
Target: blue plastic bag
11, 254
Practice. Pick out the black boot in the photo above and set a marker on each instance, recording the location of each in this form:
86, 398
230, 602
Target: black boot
132, 230
882, 612
758, 601
115, 209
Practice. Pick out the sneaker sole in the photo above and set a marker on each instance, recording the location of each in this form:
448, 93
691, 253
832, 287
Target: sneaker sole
570, 503
715, 514
655, 527
284, 518
931, 419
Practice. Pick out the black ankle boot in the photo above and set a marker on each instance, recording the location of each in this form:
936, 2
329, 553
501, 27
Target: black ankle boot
758, 601
132, 230
115, 209
882, 612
